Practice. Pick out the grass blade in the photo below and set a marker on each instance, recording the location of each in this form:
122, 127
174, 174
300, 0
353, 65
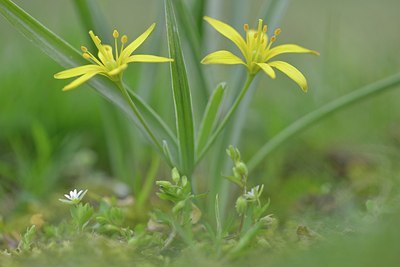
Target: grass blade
210, 116
320, 113
93, 18
181, 92
192, 35
68, 57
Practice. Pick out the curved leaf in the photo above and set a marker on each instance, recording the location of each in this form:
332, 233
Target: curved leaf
68, 57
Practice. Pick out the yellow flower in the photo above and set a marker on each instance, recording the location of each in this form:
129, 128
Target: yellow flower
107, 63
257, 51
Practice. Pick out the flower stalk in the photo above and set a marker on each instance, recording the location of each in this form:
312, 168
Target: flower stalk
142, 121
222, 125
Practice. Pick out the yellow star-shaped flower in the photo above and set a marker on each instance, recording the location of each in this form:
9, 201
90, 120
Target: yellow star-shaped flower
107, 63
257, 51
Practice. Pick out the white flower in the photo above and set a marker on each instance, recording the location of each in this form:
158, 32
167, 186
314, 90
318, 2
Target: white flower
255, 193
74, 197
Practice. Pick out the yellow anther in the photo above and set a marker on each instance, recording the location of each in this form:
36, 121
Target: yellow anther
246, 27
277, 31
86, 56
273, 39
260, 25
115, 34
84, 49
265, 28
124, 39
256, 35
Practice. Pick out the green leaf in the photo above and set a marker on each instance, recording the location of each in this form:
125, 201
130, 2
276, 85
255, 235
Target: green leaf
93, 18
181, 92
68, 57
191, 33
235, 180
321, 113
245, 240
210, 116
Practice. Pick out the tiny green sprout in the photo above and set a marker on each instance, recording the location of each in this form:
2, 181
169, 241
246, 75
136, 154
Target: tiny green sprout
81, 215
27, 239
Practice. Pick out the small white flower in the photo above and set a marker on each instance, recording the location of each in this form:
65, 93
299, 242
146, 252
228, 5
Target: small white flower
255, 193
74, 197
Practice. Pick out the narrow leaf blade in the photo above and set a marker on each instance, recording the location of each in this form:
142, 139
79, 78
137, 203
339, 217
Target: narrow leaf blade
210, 116
181, 93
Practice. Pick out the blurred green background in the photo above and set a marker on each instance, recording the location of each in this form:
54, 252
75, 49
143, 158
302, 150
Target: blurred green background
51, 140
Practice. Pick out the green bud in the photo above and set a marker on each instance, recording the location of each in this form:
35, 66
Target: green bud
165, 184
241, 169
179, 191
241, 205
231, 152
180, 205
184, 181
175, 175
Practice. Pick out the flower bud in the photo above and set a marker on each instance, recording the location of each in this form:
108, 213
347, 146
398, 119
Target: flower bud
184, 181
165, 184
241, 205
180, 205
241, 169
175, 175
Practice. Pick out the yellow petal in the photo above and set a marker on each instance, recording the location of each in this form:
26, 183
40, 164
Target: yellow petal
80, 80
292, 73
136, 43
148, 58
267, 69
288, 48
222, 57
229, 33
76, 71
117, 70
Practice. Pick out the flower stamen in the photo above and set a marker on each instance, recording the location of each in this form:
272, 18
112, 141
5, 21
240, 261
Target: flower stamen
89, 56
116, 35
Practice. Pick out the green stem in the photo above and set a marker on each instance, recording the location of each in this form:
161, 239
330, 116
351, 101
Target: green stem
226, 119
139, 116
243, 216
320, 114
148, 184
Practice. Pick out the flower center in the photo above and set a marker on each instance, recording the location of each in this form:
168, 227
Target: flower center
105, 57
258, 44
